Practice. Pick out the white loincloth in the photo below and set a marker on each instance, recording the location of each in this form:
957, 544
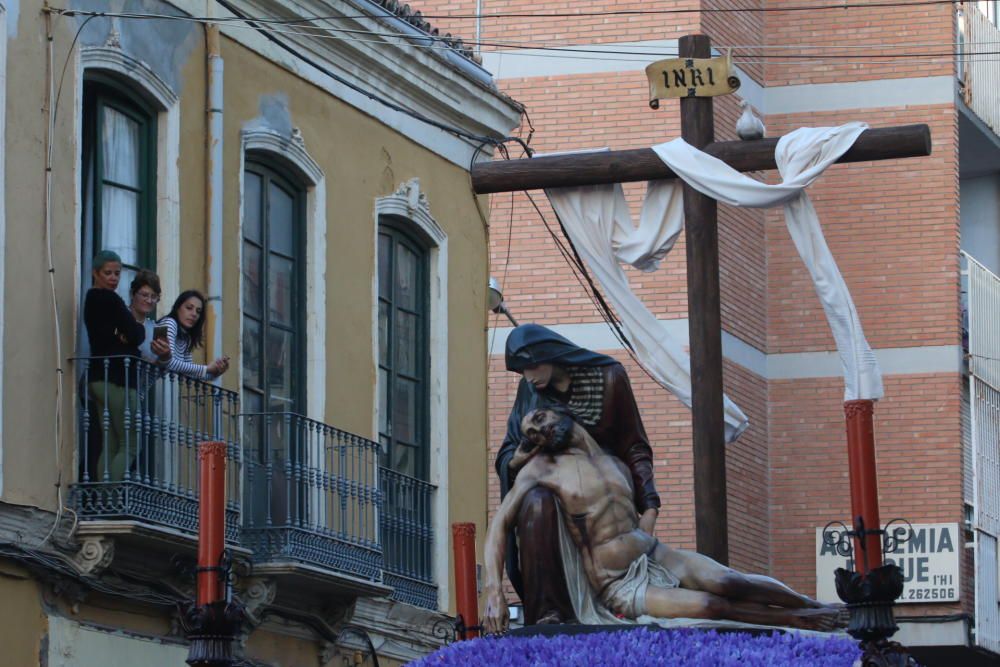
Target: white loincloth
626, 595
590, 610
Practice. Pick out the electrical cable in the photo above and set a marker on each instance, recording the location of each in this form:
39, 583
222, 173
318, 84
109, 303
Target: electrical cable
285, 47
578, 53
572, 51
603, 309
506, 259
52, 98
53, 115
358, 89
33, 556
579, 268
584, 14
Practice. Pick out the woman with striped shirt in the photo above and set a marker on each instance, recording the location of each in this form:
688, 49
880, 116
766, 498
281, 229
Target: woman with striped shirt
185, 328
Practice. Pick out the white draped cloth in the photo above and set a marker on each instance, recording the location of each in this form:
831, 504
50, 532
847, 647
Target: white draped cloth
598, 221
589, 610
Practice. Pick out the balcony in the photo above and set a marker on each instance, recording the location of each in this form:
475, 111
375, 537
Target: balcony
981, 440
978, 67
138, 433
311, 495
407, 534
308, 503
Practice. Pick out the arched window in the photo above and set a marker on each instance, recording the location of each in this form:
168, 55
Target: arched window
273, 291
403, 348
118, 175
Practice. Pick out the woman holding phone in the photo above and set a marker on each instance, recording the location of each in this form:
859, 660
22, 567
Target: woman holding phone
185, 328
145, 294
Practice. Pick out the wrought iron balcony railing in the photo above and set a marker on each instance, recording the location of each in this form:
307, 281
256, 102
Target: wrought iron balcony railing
407, 533
978, 68
981, 440
311, 495
138, 435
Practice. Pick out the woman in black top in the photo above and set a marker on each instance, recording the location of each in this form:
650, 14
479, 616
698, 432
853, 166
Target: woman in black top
112, 383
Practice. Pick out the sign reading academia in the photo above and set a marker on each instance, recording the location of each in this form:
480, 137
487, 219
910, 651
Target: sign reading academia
690, 77
929, 561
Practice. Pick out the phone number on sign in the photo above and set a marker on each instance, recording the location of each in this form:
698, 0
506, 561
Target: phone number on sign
929, 594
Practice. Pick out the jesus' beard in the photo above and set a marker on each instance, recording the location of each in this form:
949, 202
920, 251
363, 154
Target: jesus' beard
560, 434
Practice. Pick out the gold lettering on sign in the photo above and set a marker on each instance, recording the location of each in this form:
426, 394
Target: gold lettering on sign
690, 77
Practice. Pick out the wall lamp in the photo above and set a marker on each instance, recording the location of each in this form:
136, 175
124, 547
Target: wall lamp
495, 300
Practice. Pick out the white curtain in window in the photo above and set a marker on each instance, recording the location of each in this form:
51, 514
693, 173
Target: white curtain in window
120, 205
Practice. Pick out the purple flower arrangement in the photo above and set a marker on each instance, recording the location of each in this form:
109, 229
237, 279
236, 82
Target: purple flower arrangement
643, 647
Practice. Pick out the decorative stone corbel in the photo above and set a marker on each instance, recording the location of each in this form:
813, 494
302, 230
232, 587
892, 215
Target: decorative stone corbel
336, 616
95, 554
257, 594
415, 199
114, 40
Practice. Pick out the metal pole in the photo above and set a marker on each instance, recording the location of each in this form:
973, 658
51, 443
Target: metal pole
214, 185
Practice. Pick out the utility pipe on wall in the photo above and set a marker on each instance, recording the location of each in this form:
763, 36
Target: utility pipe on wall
213, 187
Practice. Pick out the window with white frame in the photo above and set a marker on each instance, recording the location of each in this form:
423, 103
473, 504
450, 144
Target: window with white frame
403, 355
273, 295
118, 175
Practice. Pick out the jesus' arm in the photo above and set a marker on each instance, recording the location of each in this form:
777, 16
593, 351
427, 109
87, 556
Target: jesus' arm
496, 616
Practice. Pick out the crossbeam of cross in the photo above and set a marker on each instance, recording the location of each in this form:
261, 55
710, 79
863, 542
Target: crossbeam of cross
701, 234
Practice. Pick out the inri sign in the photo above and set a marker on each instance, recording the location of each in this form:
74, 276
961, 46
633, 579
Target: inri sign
690, 77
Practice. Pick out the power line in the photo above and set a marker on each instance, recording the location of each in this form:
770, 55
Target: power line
482, 140
655, 49
564, 15
578, 269
584, 53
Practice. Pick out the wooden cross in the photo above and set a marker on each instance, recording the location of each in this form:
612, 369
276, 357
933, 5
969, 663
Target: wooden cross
701, 233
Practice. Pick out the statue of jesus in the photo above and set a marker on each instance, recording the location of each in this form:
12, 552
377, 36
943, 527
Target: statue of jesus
632, 573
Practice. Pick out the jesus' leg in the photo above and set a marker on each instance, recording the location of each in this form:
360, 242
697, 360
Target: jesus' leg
699, 572
684, 603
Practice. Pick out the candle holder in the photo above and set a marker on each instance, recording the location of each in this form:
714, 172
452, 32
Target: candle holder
871, 593
212, 621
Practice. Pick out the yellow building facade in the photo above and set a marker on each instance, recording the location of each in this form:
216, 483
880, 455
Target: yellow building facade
310, 177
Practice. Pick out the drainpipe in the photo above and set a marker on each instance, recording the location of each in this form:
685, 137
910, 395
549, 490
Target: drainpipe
213, 198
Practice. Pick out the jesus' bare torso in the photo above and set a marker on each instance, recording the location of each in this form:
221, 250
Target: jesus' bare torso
595, 492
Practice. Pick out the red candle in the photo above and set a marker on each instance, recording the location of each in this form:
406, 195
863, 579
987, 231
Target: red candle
864, 482
211, 520
464, 544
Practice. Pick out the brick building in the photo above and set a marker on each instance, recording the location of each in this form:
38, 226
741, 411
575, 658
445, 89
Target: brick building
915, 239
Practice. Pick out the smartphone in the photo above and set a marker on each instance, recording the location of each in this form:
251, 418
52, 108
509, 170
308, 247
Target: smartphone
160, 332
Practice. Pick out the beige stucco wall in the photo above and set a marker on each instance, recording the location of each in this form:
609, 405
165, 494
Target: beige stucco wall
361, 160
29, 359
30, 356
23, 623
